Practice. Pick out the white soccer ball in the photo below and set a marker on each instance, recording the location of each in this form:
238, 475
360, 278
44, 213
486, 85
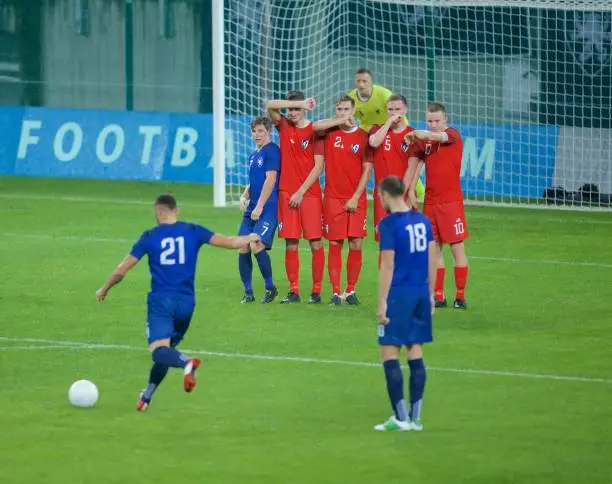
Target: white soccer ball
83, 394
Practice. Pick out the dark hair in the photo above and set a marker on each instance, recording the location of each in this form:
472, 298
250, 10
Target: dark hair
345, 98
261, 121
397, 97
363, 70
393, 186
436, 108
295, 96
167, 201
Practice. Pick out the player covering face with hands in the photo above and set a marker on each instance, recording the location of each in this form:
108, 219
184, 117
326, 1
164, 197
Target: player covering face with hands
300, 205
405, 301
172, 248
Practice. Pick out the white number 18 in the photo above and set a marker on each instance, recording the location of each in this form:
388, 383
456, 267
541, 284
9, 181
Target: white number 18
418, 237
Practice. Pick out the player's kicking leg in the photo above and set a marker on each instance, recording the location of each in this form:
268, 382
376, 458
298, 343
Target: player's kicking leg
461, 274
354, 262
164, 333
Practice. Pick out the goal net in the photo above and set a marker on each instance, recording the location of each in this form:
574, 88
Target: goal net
527, 82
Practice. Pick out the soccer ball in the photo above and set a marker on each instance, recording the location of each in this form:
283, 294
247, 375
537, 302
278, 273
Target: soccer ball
83, 394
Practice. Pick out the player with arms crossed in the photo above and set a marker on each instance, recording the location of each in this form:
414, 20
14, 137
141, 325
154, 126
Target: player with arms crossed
172, 248
300, 205
405, 301
441, 149
345, 206
260, 204
390, 149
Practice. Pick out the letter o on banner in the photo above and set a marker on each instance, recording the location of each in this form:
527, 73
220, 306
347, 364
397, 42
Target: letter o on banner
77, 141
101, 153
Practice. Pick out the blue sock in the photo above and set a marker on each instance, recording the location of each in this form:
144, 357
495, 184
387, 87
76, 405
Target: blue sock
169, 357
418, 377
265, 267
395, 388
158, 373
245, 267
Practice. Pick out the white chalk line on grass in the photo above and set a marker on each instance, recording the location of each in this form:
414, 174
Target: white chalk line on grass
511, 260
48, 344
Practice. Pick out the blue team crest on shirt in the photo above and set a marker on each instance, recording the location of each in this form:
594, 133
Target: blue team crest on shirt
305, 143
355, 148
260, 162
404, 147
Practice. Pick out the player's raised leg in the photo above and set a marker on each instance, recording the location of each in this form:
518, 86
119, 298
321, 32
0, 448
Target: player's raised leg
461, 274
334, 269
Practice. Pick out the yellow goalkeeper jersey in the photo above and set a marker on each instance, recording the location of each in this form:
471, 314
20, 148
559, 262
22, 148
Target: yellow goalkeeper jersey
374, 110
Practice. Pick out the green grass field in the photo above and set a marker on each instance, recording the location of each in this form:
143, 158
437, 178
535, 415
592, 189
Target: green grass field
519, 389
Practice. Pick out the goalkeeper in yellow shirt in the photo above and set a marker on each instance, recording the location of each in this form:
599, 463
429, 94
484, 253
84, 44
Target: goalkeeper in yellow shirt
371, 107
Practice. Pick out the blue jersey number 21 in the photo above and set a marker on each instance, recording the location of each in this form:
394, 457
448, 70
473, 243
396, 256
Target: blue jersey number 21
172, 249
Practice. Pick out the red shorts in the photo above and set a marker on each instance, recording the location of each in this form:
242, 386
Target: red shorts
448, 221
339, 224
306, 221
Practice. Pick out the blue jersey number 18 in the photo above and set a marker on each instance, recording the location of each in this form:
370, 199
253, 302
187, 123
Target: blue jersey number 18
418, 237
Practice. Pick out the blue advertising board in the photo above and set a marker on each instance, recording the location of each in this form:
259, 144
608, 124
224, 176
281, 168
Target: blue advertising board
498, 160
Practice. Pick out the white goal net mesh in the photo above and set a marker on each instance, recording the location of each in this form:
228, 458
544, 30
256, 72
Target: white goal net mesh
528, 83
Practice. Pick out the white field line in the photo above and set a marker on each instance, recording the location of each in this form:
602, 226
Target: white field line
77, 345
548, 214
511, 260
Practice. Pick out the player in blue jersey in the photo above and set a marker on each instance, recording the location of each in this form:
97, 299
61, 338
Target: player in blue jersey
260, 204
405, 300
172, 248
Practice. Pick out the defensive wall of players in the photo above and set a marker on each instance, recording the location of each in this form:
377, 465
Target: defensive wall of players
508, 160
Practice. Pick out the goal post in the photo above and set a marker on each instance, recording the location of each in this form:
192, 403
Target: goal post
527, 82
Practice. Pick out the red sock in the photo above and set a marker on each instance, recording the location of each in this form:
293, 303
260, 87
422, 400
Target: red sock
318, 268
354, 262
292, 267
461, 275
334, 266
439, 288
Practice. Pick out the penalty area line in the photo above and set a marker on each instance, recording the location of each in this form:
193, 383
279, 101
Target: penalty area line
79, 345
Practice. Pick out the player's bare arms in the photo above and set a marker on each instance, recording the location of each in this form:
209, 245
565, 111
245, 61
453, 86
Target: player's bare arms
425, 135
411, 179
353, 203
376, 139
274, 108
296, 199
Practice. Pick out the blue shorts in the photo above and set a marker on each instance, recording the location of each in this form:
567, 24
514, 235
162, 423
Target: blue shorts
409, 313
168, 317
265, 227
